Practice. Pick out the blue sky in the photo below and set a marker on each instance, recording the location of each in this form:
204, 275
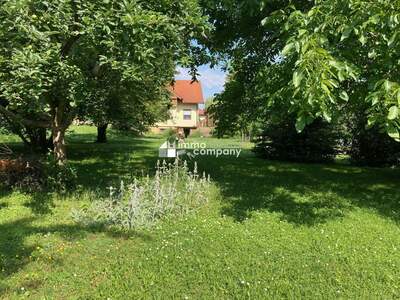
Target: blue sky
212, 80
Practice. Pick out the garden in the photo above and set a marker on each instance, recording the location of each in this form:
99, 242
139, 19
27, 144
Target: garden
268, 230
291, 193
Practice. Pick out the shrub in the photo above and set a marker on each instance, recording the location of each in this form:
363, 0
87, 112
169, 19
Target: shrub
170, 132
32, 175
369, 146
173, 191
58, 178
372, 147
22, 174
280, 141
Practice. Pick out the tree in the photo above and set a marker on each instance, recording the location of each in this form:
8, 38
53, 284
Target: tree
340, 51
248, 46
318, 142
319, 58
127, 105
52, 50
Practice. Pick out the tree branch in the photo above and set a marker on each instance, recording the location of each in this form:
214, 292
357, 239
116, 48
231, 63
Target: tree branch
68, 45
73, 39
25, 122
17, 130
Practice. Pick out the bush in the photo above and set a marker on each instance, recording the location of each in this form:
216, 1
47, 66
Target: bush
21, 174
372, 147
170, 132
369, 146
33, 175
174, 191
318, 142
59, 178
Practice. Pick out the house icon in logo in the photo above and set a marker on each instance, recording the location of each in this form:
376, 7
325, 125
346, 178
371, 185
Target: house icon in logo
171, 149
168, 150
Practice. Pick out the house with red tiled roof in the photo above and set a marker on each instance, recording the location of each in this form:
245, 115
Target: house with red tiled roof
186, 96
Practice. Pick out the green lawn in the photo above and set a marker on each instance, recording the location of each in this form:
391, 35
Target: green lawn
278, 230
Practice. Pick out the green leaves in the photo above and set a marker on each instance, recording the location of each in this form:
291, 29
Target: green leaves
393, 132
346, 33
265, 21
393, 113
315, 58
388, 86
288, 49
298, 76
343, 95
99, 59
363, 39
325, 73
393, 39
300, 123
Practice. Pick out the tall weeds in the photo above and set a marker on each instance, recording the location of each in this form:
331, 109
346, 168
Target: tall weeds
173, 191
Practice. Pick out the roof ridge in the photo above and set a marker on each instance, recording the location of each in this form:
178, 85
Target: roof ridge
188, 90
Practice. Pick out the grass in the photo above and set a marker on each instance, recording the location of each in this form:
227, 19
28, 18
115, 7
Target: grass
277, 230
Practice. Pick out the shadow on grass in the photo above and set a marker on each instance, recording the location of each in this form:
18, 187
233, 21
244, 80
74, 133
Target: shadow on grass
101, 165
88, 135
41, 203
15, 254
19, 149
4, 192
302, 194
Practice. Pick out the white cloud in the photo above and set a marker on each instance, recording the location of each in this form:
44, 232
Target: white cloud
210, 78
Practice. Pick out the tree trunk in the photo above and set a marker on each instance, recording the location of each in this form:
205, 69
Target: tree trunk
186, 132
59, 126
38, 139
60, 153
41, 139
102, 133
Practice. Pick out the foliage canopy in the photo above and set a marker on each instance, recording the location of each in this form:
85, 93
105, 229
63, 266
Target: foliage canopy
317, 58
57, 56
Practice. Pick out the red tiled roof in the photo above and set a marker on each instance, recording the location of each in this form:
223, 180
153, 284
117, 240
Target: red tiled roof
187, 91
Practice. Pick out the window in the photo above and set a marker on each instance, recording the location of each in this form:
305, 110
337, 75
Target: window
187, 114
